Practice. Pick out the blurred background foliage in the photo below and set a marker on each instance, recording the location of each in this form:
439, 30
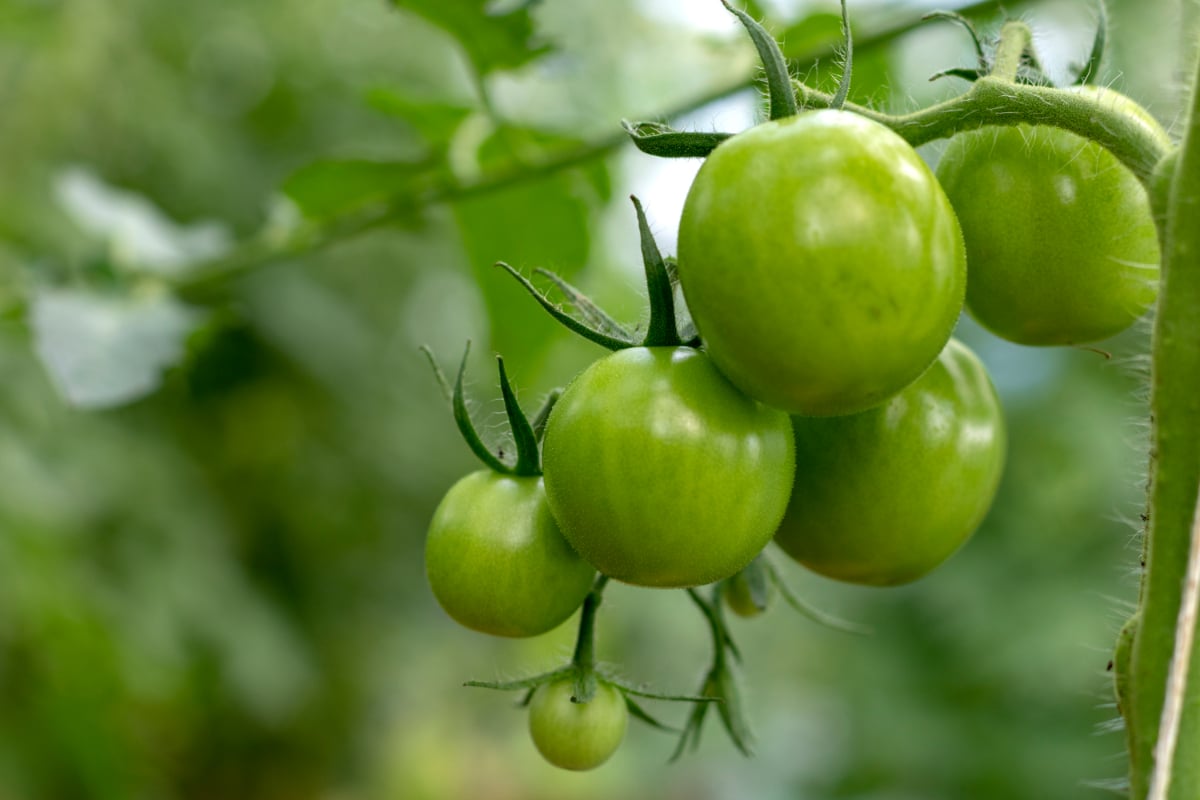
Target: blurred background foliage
219, 446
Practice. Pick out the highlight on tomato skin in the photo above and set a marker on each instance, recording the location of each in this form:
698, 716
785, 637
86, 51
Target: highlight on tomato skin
577, 736
1061, 242
661, 473
885, 496
497, 561
821, 262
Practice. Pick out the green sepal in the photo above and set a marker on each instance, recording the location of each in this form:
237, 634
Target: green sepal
594, 316
529, 461
843, 90
656, 139
462, 417
443, 384
661, 331
543, 414
815, 614
966, 73
733, 715
570, 323
955, 17
637, 712
780, 95
1090, 69
532, 682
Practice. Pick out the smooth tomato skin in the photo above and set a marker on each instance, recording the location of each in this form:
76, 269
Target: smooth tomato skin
577, 736
821, 261
661, 473
496, 560
884, 496
1061, 242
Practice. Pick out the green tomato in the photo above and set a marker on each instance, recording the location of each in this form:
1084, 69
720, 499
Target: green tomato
884, 496
661, 473
1061, 242
496, 560
577, 736
821, 261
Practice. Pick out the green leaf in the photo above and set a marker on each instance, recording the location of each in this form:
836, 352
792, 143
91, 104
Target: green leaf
545, 222
432, 119
492, 41
813, 34
327, 188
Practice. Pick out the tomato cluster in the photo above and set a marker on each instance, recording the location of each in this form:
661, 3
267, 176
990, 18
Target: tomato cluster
812, 394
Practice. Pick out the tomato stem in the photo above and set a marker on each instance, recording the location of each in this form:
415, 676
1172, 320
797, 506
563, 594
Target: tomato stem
998, 102
584, 658
1015, 37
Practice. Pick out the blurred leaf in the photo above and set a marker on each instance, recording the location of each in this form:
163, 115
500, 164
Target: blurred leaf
138, 234
812, 34
325, 188
537, 224
433, 120
491, 40
104, 350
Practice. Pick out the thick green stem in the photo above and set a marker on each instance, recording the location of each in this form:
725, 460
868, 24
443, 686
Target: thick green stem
584, 658
1015, 37
1175, 478
998, 102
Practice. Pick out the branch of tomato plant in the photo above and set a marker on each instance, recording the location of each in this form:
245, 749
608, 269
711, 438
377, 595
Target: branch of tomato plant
207, 279
1161, 671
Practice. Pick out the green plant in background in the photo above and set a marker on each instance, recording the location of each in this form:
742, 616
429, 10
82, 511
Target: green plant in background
205, 580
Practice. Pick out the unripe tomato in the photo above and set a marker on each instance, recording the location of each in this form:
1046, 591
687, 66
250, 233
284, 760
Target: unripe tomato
821, 262
661, 473
496, 560
884, 496
577, 736
1061, 243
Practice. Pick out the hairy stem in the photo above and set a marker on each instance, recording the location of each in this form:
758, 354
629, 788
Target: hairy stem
1015, 37
208, 280
585, 643
991, 101
1175, 477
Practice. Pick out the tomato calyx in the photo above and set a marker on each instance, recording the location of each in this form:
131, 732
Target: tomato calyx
526, 435
595, 325
586, 675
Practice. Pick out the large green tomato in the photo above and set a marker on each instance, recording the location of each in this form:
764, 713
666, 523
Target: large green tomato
821, 262
1061, 243
884, 496
496, 560
574, 735
661, 473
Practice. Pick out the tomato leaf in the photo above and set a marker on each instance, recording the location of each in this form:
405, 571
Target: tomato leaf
492, 41
432, 119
